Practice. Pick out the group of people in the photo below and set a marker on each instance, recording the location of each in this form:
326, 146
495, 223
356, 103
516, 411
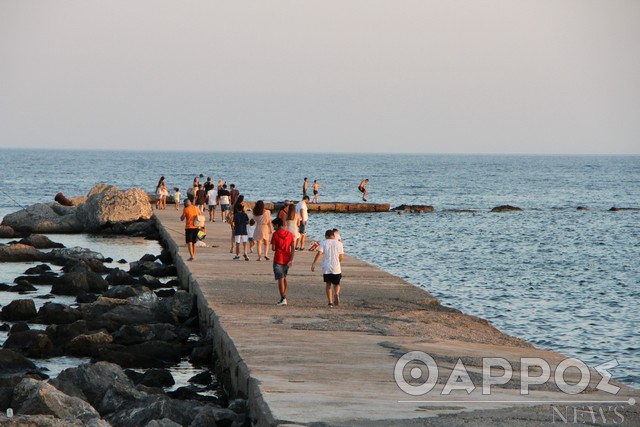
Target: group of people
284, 235
316, 187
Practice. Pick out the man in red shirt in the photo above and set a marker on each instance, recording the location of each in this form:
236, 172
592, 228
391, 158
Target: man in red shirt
283, 244
189, 214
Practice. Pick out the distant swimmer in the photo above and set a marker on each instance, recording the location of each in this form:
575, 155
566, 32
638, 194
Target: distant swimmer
363, 189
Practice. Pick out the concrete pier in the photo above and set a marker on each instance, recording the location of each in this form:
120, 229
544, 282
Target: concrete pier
308, 364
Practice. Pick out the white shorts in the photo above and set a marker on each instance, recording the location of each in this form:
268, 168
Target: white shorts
242, 238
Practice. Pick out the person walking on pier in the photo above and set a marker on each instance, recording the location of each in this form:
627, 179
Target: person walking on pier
283, 245
212, 195
262, 234
189, 214
240, 222
331, 270
303, 212
363, 188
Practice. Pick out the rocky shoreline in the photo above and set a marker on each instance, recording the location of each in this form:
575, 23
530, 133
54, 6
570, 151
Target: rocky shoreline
133, 325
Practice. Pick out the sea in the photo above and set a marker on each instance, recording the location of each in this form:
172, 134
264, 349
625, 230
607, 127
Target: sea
562, 278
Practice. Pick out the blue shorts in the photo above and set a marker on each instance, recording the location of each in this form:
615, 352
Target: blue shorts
302, 228
225, 208
280, 270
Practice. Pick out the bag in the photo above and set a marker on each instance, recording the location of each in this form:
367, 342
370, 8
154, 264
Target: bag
314, 246
200, 221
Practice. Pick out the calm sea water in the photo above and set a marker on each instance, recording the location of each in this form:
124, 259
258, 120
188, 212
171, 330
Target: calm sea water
560, 278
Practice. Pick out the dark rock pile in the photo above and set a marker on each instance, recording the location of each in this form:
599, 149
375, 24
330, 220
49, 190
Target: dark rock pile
130, 324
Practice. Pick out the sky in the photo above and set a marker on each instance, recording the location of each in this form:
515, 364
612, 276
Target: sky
398, 76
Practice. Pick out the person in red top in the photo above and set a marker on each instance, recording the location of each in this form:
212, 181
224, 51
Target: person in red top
189, 214
283, 244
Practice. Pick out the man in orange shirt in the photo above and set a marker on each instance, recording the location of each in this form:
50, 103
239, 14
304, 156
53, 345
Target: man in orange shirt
189, 214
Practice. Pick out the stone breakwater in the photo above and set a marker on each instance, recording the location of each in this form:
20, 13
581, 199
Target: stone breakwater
133, 325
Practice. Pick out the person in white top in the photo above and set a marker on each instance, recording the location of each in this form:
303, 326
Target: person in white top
301, 209
212, 195
331, 269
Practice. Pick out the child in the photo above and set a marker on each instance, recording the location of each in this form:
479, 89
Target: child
176, 196
331, 270
250, 229
240, 221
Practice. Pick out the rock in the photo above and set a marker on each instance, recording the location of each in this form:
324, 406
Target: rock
141, 229
179, 307
7, 232
582, 208
55, 313
39, 398
21, 309
47, 278
109, 205
155, 408
165, 422
71, 284
203, 378
212, 416
120, 277
42, 218
77, 253
61, 335
136, 334
12, 362
50, 421
22, 286
19, 327
506, 208
165, 257
124, 292
30, 343
202, 355
39, 241
86, 298
22, 253
122, 261
92, 382
239, 406
414, 208
152, 354
141, 268
39, 269
85, 345
614, 209
159, 378
148, 258
165, 293
151, 282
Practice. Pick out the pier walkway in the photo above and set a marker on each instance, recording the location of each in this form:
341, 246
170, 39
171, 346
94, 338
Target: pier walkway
308, 364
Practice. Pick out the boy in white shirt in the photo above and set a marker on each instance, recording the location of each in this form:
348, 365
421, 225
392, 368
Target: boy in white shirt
331, 270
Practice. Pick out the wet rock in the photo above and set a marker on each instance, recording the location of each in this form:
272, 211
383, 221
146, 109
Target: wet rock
506, 208
141, 229
157, 378
165, 422
125, 357
202, 355
39, 269
70, 284
92, 382
122, 261
108, 205
582, 208
148, 258
7, 232
136, 334
165, 257
39, 241
120, 277
77, 253
43, 218
86, 298
22, 253
151, 282
239, 406
203, 378
19, 327
155, 408
55, 313
615, 209
124, 292
87, 344
12, 362
30, 343
414, 208
165, 293
21, 309
179, 307
40, 279
210, 415
22, 286
40, 398
61, 335
141, 268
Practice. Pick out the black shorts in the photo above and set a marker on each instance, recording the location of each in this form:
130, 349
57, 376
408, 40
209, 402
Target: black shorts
191, 235
361, 189
334, 279
302, 228
315, 192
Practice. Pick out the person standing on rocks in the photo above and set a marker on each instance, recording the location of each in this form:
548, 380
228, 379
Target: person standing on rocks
283, 245
316, 187
331, 270
189, 214
305, 187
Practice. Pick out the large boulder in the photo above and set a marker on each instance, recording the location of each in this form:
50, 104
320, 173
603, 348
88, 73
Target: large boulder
107, 205
31, 343
39, 241
54, 313
43, 218
20, 309
22, 253
12, 362
156, 408
76, 253
40, 398
7, 232
506, 208
85, 345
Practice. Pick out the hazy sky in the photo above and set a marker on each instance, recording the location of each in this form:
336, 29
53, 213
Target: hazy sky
511, 76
